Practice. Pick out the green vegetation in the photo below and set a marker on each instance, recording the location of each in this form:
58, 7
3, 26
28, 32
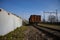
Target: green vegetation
51, 23
50, 26
17, 34
25, 21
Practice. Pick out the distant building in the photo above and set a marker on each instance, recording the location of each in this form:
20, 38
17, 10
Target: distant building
52, 18
8, 22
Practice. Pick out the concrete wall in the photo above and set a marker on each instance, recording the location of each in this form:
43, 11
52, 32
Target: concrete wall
8, 22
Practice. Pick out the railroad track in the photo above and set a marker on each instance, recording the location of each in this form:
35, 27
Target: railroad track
54, 34
51, 30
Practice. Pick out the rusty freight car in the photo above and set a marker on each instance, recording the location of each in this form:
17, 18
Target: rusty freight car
35, 19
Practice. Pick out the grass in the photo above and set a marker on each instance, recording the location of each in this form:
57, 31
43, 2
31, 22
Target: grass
51, 26
52, 23
17, 34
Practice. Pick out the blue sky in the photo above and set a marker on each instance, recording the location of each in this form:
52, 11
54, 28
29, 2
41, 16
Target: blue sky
25, 8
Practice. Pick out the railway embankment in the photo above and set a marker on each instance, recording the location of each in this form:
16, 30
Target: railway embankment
24, 33
49, 32
57, 27
27, 32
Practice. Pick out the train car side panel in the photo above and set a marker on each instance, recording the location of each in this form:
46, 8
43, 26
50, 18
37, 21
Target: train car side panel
35, 19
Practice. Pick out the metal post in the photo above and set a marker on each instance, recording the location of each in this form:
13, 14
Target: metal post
56, 15
50, 15
44, 16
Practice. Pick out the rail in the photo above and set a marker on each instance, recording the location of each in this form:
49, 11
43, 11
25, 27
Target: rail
56, 37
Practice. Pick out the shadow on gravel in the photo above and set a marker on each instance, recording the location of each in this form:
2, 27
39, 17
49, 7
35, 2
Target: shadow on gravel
27, 24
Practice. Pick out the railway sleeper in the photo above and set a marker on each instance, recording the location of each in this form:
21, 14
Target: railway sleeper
48, 34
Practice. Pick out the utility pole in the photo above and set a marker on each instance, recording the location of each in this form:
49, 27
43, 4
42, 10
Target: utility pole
43, 16
56, 15
49, 13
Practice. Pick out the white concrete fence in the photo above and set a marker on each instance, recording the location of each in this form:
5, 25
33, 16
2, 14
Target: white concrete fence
8, 22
